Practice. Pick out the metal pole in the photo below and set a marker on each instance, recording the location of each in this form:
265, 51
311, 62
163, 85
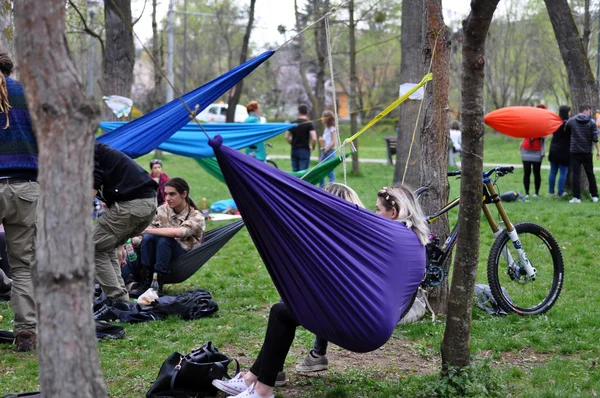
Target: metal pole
90, 88
170, 75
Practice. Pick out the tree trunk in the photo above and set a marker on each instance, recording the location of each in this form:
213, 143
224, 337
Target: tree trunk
321, 7
455, 344
301, 66
581, 79
236, 93
434, 133
411, 71
579, 72
587, 28
64, 120
353, 84
158, 94
119, 55
7, 29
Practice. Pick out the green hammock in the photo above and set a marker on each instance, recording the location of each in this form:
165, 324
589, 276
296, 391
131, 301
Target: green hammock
314, 177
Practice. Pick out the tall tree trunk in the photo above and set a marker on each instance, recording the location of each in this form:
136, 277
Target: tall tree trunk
434, 133
353, 86
579, 72
321, 7
301, 66
64, 120
119, 55
7, 28
455, 344
587, 27
236, 93
411, 71
158, 94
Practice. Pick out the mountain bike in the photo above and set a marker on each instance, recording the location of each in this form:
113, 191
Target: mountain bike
525, 266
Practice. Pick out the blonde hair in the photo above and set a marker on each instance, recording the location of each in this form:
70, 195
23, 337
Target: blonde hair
328, 118
6, 67
409, 211
344, 192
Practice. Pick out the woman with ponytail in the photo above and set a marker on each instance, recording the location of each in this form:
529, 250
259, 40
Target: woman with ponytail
178, 227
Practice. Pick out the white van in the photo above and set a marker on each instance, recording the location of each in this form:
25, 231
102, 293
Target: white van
217, 113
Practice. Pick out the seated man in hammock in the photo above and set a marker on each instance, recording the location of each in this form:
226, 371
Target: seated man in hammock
178, 227
259, 382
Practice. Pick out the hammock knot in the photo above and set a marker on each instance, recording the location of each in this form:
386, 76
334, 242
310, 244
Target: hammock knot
216, 142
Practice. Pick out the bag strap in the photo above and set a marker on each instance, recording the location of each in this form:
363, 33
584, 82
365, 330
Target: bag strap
177, 369
222, 369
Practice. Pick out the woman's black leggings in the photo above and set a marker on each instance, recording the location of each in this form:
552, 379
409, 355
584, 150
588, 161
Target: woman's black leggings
537, 177
281, 331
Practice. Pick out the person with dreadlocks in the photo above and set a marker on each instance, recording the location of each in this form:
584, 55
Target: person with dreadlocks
177, 228
19, 193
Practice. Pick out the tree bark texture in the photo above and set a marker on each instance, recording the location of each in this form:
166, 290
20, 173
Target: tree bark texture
321, 7
434, 133
353, 86
301, 66
455, 344
64, 120
236, 93
579, 72
119, 55
158, 93
411, 71
7, 28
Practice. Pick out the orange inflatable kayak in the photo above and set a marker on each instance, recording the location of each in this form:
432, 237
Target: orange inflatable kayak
523, 121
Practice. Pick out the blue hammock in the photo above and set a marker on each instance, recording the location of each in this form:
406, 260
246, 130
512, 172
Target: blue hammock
190, 140
149, 131
346, 274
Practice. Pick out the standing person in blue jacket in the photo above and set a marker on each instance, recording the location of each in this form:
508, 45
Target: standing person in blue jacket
258, 150
19, 193
559, 154
584, 135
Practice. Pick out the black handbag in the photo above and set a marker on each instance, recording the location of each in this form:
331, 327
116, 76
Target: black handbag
191, 375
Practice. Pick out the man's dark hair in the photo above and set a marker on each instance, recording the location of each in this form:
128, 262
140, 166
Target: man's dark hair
303, 109
583, 108
181, 186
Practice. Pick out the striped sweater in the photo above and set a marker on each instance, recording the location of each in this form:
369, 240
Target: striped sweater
18, 146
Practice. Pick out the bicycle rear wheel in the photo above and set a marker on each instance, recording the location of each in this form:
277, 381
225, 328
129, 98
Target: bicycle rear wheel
512, 289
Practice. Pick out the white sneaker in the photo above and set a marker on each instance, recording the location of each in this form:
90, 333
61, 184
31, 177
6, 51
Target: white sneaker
250, 393
594, 199
233, 386
576, 200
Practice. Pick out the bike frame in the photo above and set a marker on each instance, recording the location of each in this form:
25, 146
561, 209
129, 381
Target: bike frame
439, 254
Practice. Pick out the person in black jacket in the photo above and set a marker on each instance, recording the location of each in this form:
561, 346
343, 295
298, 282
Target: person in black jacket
130, 194
584, 133
559, 154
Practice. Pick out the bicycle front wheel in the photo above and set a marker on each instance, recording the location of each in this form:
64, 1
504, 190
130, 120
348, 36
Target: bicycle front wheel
510, 286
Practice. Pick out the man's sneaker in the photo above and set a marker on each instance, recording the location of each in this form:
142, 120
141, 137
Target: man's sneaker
233, 386
313, 363
280, 380
110, 312
594, 199
25, 341
575, 200
251, 393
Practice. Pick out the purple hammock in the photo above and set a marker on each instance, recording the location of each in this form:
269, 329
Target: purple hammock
346, 274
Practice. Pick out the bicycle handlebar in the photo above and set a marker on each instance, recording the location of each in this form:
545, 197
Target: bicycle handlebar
500, 170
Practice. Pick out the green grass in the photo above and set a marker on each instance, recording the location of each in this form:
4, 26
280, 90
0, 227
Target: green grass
554, 355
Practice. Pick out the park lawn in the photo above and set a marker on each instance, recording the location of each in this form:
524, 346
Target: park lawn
556, 352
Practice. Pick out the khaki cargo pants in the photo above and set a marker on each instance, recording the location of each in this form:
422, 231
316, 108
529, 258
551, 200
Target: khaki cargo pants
18, 204
122, 221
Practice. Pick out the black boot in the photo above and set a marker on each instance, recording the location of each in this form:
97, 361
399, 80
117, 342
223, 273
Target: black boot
144, 284
161, 284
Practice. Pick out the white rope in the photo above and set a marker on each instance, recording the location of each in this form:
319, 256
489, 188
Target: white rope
334, 96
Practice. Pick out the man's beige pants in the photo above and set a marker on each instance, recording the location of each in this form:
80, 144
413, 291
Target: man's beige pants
122, 221
18, 204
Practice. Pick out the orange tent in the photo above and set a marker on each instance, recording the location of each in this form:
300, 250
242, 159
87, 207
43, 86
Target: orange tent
523, 121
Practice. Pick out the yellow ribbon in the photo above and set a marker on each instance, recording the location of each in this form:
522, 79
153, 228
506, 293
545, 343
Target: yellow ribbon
391, 107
